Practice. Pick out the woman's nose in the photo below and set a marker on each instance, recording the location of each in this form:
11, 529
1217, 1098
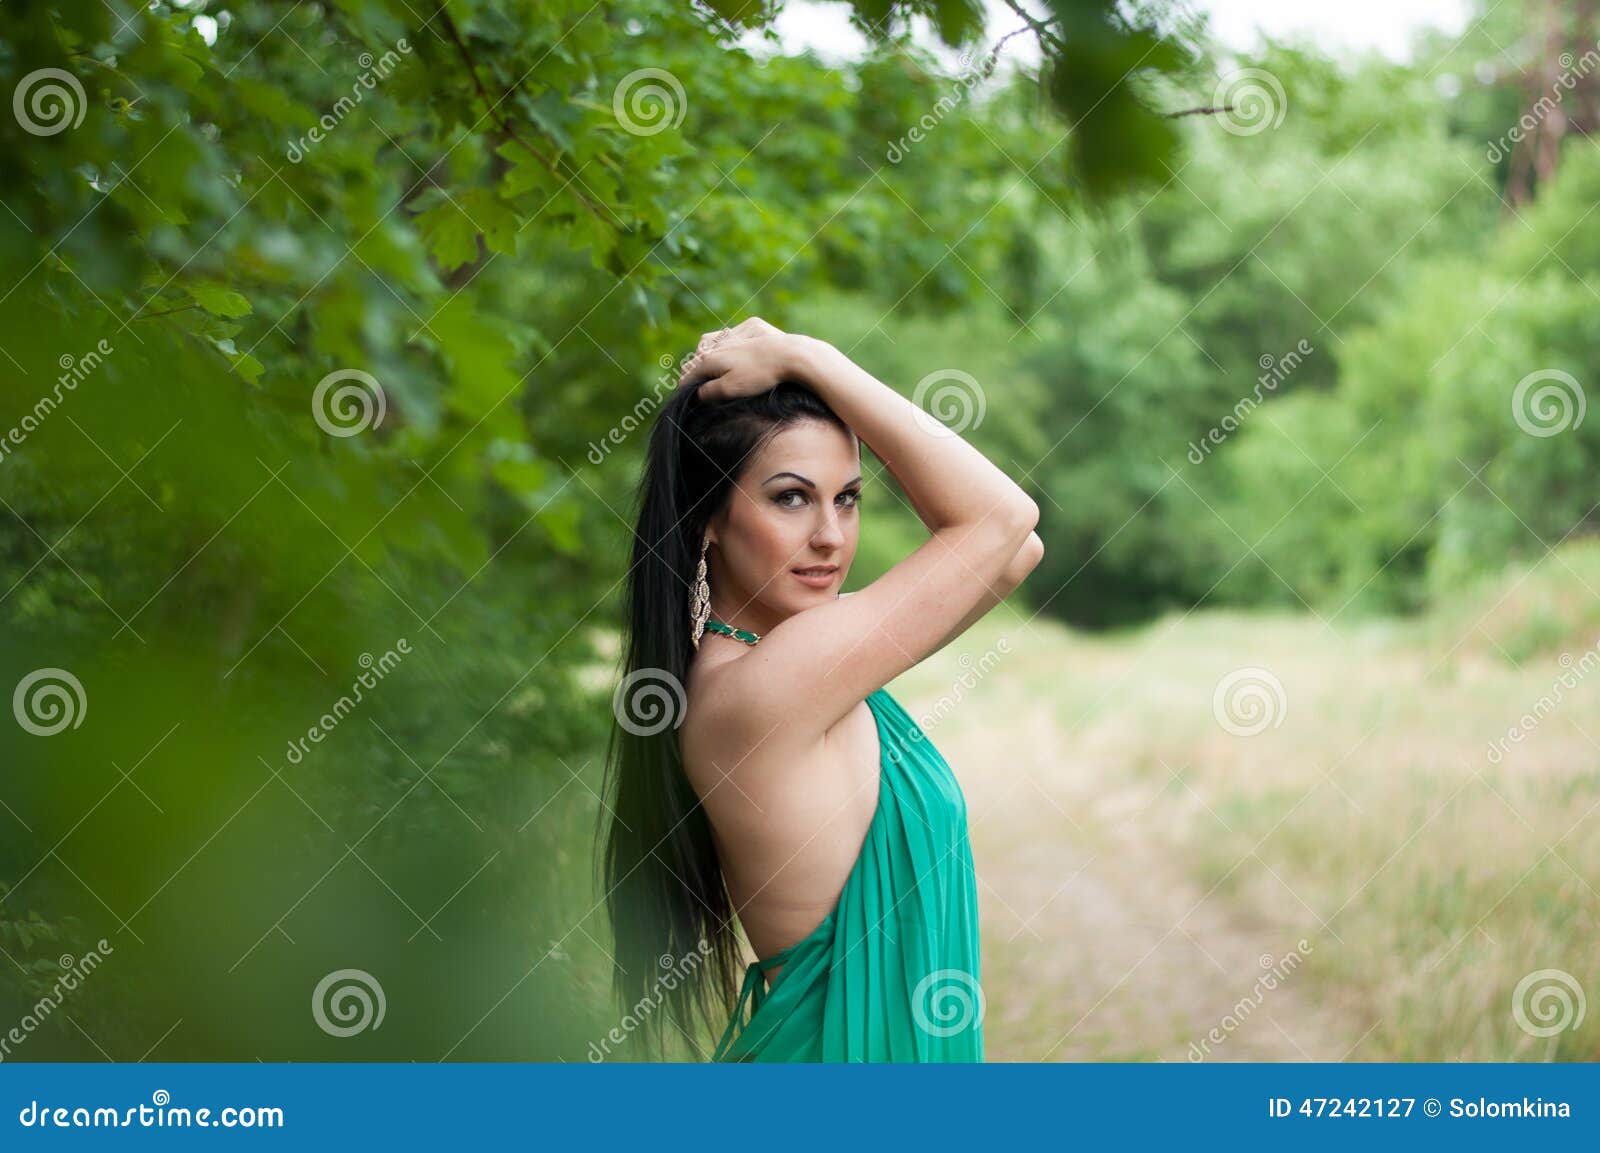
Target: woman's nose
829, 531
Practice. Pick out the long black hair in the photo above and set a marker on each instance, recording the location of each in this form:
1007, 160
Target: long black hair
676, 948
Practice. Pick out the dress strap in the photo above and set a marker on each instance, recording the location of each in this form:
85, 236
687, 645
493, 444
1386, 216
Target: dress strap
753, 992
749, 994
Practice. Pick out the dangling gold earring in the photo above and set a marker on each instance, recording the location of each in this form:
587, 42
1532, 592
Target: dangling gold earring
700, 597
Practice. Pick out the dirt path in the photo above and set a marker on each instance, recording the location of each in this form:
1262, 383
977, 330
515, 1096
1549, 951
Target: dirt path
1097, 944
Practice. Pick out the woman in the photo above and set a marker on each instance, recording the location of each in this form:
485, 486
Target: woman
792, 790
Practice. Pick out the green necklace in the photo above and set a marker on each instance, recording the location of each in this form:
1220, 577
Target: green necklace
745, 635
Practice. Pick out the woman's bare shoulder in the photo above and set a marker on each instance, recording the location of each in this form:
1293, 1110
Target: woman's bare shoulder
710, 729
718, 737
714, 688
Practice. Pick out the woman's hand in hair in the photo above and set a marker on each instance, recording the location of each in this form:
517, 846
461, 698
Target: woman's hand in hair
748, 361
754, 326
744, 330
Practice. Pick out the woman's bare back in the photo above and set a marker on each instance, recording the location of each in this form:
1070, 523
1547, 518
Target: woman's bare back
788, 823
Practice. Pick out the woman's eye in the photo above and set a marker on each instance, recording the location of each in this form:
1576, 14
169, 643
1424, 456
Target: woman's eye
851, 499
783, 498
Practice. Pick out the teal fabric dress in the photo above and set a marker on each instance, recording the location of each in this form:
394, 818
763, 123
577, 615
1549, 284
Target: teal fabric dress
891, 974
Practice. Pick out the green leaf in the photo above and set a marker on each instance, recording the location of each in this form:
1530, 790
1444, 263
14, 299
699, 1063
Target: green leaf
450, 234
481, 374
218, 299
560, 519
492, 218
527, 171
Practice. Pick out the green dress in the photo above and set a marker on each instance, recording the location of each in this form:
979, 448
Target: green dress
891, 974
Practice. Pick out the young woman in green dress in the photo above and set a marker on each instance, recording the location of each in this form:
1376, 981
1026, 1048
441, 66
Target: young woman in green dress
784, 788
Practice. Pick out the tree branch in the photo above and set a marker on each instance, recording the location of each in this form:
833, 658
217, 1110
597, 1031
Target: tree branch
1198, 112
505, 126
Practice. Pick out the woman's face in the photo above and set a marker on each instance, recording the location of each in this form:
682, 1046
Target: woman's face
793, 508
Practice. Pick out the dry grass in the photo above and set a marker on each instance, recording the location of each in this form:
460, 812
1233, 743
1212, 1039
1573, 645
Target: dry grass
1137, 859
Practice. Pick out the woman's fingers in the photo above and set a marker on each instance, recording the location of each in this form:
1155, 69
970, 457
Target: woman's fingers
752, 327
702, 366
711, 357
746, 329
712, 339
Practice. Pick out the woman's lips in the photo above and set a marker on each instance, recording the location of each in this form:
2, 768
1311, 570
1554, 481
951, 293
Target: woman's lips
819, 578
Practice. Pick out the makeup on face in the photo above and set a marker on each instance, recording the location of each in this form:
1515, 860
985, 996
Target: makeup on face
813, 574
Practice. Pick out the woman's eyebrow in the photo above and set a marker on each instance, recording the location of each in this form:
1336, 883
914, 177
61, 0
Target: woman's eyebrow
796, 475
853, 480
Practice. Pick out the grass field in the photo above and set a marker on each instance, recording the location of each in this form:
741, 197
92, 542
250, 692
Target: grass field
1379, 873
